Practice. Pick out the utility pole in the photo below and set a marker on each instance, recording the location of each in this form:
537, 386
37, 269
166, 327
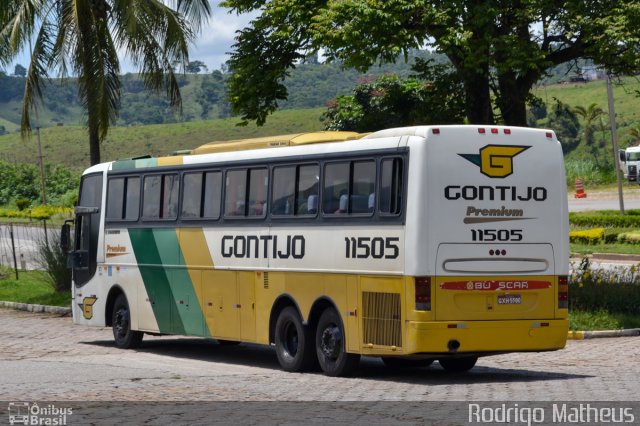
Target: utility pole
614, 139
40, 159
42, 185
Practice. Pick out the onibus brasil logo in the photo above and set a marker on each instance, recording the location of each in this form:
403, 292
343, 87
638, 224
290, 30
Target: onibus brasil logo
495, 161
24, 413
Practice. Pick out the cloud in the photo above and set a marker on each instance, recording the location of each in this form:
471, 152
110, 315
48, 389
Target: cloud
217, 36
211, 46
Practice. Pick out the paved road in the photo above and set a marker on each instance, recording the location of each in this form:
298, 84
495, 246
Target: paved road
606, 200
183, 381
46, 357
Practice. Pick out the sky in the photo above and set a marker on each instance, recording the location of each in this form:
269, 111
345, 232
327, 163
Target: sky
211, 47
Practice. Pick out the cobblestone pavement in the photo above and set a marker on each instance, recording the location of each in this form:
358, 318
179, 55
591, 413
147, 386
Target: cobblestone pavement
46, 357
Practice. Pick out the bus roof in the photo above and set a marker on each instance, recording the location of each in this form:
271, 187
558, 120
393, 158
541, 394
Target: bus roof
276, 141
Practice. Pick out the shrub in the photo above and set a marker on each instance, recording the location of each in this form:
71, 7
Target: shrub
22, 203
614, 290
589, 236
632, 237
605, 219
53, 260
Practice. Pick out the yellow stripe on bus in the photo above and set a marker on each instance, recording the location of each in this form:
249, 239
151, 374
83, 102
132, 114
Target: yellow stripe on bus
171, 161
197, 258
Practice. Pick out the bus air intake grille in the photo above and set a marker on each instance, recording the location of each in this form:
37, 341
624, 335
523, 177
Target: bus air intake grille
381, 319
265, 277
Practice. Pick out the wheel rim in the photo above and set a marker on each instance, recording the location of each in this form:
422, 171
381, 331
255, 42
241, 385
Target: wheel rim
121, 322
290, 339
331, 341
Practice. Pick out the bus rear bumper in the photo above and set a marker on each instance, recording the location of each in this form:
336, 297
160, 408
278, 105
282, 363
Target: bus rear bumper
485, 336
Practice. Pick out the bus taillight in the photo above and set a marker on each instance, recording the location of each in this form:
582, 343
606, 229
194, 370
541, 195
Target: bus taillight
563, 292
423, 293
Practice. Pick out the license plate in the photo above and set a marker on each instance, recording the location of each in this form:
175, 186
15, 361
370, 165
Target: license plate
510, 299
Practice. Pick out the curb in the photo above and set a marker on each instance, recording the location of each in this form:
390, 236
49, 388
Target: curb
616, 256
36, 308
581, 335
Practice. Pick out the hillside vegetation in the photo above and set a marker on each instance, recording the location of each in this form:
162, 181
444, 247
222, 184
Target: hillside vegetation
68, 145
148, 126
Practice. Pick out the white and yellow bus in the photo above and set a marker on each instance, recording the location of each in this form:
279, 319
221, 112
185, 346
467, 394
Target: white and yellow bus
412, 244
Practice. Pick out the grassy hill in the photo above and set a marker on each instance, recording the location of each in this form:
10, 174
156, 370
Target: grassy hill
66, 141
69, 145
626, 98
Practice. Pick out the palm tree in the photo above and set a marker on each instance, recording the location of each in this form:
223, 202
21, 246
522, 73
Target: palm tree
634, 132
589, 115
83, 38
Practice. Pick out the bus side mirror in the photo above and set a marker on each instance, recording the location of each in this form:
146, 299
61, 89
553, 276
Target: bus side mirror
65, 237
622, 156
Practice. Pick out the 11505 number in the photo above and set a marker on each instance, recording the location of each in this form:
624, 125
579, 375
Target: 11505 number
496, 234
377, 247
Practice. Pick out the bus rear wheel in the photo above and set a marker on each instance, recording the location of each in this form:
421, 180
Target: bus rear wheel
330, 346
294, 342
124, 337
458, 365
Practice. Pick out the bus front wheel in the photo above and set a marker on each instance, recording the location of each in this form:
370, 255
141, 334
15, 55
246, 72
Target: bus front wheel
294, 342
121, 322
330, 346
458, 365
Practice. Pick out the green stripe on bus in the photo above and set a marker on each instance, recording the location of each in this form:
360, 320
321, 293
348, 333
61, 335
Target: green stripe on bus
134, 164
156, 280
187, 305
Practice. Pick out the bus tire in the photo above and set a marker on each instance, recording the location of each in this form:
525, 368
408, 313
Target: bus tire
458, 365
330, 346
124, 337
294, 342
405, 363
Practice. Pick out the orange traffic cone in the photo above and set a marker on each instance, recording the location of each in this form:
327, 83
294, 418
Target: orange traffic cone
580, 189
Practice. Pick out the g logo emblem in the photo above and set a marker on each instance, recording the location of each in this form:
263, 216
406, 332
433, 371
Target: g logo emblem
495, 161
87, 306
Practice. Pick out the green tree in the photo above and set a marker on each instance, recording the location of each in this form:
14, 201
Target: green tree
634, 132
83, 38
212, 93
589, 115
434, 96
499, 48
19, 71
564, 121
194, 67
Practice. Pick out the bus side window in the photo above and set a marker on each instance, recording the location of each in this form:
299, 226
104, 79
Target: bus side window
132, 198
115, 199
348, 187
191, 195
258, 183
151, 199
391, 186
246, 193
212, 194
160, 197
295, 190
336, 184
